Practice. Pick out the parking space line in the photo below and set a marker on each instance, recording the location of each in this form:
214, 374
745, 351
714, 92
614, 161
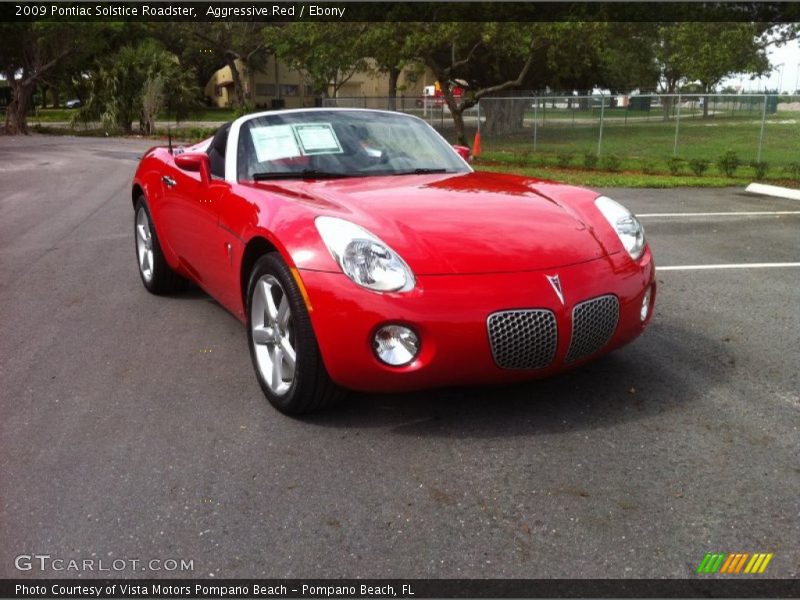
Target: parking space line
773, 190
729, 266
762, 213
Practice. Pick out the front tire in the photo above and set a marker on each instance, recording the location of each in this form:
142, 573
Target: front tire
283, 347
156, 274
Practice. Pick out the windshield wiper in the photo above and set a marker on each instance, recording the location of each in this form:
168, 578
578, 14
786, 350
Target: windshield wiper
306, 174
421, 172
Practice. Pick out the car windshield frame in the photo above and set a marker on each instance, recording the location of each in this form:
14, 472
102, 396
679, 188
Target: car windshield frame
337, 143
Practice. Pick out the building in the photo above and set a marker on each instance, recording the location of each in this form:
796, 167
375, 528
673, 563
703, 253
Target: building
279, 86
375, 84
275, 87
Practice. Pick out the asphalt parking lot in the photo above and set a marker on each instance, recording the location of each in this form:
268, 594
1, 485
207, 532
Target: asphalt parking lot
132, 426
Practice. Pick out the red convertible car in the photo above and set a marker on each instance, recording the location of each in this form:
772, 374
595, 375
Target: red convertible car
363, 252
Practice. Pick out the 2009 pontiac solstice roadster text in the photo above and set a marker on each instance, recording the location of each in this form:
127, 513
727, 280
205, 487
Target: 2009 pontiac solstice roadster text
362, 252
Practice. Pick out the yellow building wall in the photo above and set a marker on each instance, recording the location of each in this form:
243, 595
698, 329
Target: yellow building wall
260, 86
277, 81
220, 88
291, 86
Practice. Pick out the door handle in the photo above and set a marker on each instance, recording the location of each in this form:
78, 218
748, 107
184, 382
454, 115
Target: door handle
168, 180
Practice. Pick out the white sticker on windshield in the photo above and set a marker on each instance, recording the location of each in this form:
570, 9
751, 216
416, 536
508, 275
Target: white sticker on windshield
318, 138
274, 142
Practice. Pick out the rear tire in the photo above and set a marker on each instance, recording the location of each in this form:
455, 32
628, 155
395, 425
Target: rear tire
283, 347
156, 274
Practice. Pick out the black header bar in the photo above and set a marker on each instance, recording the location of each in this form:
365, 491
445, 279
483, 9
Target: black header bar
281, 11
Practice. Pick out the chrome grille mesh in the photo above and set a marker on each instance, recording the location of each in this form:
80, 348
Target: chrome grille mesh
523, 339
593, 324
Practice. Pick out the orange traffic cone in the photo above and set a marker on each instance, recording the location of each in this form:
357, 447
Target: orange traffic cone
476, 145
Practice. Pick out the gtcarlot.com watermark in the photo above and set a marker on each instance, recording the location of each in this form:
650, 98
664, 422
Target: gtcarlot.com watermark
48, 563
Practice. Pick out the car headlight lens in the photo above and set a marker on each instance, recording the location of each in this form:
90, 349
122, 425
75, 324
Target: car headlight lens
625, 223
363, 257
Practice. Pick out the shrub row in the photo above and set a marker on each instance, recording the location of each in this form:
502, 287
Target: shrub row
728, 164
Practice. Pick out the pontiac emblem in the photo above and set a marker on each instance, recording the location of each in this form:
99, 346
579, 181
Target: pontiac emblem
555, 283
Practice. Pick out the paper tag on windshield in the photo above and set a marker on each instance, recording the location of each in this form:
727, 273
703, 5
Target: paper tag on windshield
274, 142
318, 138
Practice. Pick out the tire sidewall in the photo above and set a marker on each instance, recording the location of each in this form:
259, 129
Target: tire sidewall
306, 353
142, 205
164, 279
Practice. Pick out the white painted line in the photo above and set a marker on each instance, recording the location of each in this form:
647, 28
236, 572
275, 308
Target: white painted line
760, 213
773, 190
728, 266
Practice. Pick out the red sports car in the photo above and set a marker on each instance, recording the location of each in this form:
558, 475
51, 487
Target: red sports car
363, 253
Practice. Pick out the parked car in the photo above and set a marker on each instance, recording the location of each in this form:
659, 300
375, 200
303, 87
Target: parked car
362, 252
74, 103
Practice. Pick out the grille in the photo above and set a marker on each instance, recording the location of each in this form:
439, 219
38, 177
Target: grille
523, 339
593, 324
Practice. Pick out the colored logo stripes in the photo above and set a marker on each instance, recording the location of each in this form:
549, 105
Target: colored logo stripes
734, 563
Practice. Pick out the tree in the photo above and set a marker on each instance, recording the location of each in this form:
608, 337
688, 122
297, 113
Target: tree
385, 43
233, 43
191, 50
29, 51
134, 83
709, 52
330, 53
57, 55
716, 50
482, 58
153, 98
71, 76
626, 57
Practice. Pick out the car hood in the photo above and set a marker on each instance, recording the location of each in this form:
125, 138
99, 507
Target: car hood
465, 224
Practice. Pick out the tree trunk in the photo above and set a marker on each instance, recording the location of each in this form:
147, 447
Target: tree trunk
17, 110
125, 122
394, 75
56, 97
230, 60
44, 90
457, 112
666, 105
503, 116
668, 102
705, 101
585, 99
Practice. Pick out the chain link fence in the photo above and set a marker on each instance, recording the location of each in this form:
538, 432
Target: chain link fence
640, 131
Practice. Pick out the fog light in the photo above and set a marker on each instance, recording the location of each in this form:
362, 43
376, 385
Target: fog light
395, 345
645, 305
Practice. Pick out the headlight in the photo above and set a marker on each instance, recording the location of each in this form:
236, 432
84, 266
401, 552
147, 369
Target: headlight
363, 257
625, 223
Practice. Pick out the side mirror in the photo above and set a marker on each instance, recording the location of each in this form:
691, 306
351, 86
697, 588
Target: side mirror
463, 151
194, 162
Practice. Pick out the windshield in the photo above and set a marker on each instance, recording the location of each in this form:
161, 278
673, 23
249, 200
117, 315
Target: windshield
341, 144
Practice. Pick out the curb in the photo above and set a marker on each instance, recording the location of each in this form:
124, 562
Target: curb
773, 190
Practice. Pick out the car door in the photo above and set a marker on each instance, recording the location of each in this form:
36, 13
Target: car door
191, 214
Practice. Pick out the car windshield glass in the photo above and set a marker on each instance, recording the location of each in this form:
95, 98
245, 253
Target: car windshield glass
327, 143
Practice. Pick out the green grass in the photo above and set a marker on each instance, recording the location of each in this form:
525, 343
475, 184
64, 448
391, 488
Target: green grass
645, 149
211, 114
51, 115
180, 135
54, 115
655, 140
621, 179
655, 114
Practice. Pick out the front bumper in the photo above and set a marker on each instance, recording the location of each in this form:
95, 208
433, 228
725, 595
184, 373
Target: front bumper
449, 314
